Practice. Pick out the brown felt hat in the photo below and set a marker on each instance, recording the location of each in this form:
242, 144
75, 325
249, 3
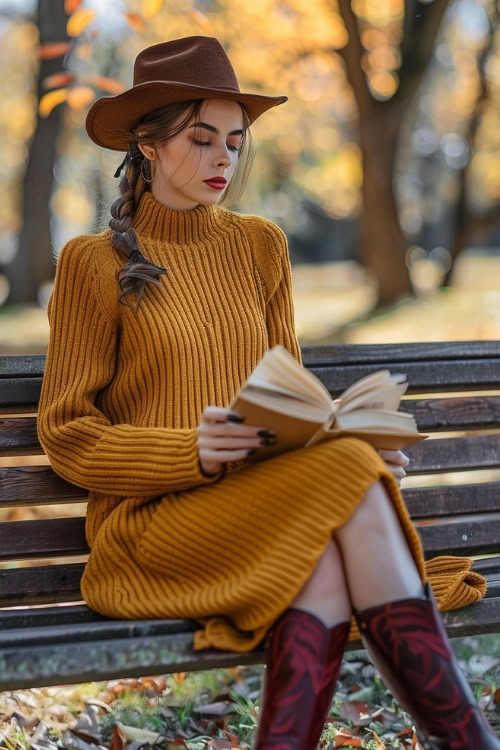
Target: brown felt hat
194, 67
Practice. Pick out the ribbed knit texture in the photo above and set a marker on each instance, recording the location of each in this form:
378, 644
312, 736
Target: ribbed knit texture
121, 399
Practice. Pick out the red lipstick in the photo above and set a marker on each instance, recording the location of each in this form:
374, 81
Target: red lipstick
217, 183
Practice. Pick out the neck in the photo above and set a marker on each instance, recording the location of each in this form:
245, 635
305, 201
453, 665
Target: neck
154, 219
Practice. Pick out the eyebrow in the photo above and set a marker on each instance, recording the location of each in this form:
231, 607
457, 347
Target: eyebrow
214, 130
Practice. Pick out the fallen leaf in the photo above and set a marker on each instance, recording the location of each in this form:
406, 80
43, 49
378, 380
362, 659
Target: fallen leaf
118, 739
377, 741
135, 733
356, 711
344, 737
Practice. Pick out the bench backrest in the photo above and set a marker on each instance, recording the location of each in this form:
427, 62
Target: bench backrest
457, 519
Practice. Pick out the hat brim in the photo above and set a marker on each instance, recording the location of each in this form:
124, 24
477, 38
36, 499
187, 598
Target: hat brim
111, 118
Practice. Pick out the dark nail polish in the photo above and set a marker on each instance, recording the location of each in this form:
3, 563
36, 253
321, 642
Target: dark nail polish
252, 450
267, 441
235, 418
266, 433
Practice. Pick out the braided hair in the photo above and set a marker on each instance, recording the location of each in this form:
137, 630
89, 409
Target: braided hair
156, 126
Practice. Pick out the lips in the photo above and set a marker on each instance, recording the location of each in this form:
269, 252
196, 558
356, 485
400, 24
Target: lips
217, 182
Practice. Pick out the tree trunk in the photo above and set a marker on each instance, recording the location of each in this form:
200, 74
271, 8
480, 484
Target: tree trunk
33, 264
383, 243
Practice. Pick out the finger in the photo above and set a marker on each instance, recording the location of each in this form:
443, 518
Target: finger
395, 457
223, 456
228, 442
232, 431
391, 456
398, 471
216, 413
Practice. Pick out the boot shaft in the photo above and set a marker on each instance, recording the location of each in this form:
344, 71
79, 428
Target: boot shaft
303, 660
407, 642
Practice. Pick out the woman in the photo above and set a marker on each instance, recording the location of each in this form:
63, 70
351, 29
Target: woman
133, 408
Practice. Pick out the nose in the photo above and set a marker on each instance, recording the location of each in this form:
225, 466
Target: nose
223, 159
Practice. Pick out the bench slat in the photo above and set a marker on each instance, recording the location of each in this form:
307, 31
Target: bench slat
423, 376
472, 535
47, 537
25, 365
48, 584
36, 485
432, 456
413, 352
431, 502
18, 437
464, 413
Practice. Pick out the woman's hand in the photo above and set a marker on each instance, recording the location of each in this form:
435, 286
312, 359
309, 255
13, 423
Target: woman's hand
396, 461
221, 440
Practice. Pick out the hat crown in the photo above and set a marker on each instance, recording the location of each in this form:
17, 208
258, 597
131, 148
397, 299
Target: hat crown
193, 60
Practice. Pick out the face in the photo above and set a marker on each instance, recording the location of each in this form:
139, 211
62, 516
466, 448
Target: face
206, 149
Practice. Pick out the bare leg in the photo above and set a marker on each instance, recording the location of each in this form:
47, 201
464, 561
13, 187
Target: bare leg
325, 593
379, 565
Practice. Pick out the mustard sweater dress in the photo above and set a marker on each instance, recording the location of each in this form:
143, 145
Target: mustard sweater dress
121, 399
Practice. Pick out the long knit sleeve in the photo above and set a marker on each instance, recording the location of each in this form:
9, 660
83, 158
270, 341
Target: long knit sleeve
280, 317
82, 444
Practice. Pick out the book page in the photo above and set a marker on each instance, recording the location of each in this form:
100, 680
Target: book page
278, 367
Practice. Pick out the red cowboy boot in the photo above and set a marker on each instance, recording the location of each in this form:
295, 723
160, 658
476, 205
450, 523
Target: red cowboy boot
408, 644
303, 659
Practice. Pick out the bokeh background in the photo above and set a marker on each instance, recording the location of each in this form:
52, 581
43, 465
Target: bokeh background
383, 168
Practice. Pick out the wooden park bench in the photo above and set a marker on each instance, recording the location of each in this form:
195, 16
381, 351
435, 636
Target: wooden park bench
54, 645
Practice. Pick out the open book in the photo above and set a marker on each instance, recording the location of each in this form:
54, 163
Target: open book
283, 396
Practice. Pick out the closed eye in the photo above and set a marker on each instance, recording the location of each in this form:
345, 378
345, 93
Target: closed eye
207, 143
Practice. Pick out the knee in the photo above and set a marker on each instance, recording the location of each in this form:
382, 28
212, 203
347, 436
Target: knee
373, 509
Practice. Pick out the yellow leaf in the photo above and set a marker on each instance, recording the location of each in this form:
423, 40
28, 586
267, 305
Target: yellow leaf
51, 100
79, 96
79, 21
135, 21
151, 7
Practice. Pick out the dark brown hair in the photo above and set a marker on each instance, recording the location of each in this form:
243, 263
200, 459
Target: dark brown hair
158, 126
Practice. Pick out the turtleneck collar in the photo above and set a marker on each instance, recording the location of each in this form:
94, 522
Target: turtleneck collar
154, 219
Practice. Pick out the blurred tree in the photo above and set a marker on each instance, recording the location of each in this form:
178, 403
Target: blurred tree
33, 264
383, 242
471, 223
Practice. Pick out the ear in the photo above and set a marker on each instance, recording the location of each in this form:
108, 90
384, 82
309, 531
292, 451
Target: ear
148, 151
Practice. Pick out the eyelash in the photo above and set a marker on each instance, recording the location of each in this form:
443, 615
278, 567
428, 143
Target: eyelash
207, 143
